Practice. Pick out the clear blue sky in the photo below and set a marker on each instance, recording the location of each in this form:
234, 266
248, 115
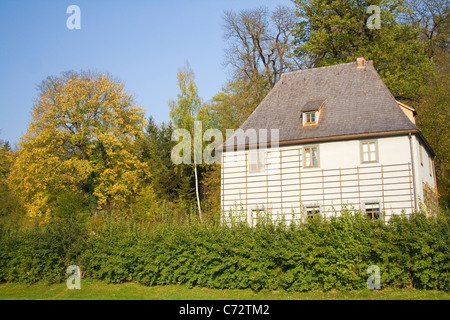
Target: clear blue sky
142, 43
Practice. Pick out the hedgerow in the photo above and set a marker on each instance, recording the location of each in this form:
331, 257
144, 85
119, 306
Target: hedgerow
319, 255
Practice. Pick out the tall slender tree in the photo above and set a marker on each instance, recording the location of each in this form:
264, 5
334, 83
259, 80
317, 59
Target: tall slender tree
184, 113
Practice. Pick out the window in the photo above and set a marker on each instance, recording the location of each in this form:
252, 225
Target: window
430, 166
258, 216
310, 118
311, 156
372, 210
256, 161
312, 212
369, 151
420, 154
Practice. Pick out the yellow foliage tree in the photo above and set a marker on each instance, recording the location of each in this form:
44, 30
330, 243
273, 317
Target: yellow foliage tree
81, 138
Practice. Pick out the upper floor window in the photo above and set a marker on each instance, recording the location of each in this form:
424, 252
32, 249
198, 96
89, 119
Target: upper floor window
369, 151
430, 166
310, 111
256, 161
311, 156
420, 154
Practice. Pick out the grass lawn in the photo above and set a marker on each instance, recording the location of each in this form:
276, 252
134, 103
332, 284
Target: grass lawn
99, 290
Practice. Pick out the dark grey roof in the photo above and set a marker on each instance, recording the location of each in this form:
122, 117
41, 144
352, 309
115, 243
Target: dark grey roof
356, 102
313, 105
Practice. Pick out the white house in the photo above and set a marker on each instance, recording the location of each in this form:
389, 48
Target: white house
336, 137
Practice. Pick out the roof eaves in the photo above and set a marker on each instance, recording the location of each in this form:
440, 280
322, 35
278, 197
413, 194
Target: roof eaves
353, 136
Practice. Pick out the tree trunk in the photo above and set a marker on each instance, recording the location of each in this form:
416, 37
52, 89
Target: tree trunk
197, 193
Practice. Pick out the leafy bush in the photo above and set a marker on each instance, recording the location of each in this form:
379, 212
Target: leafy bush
320, 254
41, 253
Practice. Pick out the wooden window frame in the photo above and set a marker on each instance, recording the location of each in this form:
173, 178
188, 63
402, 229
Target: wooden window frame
316, 211
260, 166
368, 142
311, 155
371, 214
305, 118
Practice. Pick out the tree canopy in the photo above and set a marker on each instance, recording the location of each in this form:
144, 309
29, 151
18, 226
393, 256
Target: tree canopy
333, 32
81, 138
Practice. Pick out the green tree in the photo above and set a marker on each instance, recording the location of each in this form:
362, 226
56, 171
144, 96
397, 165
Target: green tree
333, 32
184, 113
433, 119
432, 19
156, 148
81, 138
229, 108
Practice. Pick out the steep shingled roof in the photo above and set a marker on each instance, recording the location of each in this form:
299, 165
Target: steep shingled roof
357, 102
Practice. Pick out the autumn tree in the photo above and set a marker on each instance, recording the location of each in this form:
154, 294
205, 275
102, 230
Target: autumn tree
9, 203
81, 138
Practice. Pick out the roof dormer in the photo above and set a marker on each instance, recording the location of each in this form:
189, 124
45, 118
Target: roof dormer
310, 112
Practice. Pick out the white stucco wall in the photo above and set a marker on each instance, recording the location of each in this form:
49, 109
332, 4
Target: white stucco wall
423, 171
286, 186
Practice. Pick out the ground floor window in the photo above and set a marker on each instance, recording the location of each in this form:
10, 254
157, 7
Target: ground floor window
312, 212
372, 210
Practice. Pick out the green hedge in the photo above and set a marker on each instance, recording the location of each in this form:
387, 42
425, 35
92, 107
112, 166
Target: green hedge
411, 252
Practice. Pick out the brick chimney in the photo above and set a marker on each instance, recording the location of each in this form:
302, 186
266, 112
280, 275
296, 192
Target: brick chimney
360, 62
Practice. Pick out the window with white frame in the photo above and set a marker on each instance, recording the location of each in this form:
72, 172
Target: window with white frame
309, 118
369, 151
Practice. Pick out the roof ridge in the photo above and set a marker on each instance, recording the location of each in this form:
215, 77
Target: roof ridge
289, 73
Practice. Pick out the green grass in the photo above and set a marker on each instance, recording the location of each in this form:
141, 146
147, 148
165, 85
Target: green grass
99, 290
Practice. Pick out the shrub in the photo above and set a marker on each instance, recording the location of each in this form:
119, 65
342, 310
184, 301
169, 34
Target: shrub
41, 253
321, 254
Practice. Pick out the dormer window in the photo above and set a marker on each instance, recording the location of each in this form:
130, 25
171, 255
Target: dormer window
310, 112
310, 117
